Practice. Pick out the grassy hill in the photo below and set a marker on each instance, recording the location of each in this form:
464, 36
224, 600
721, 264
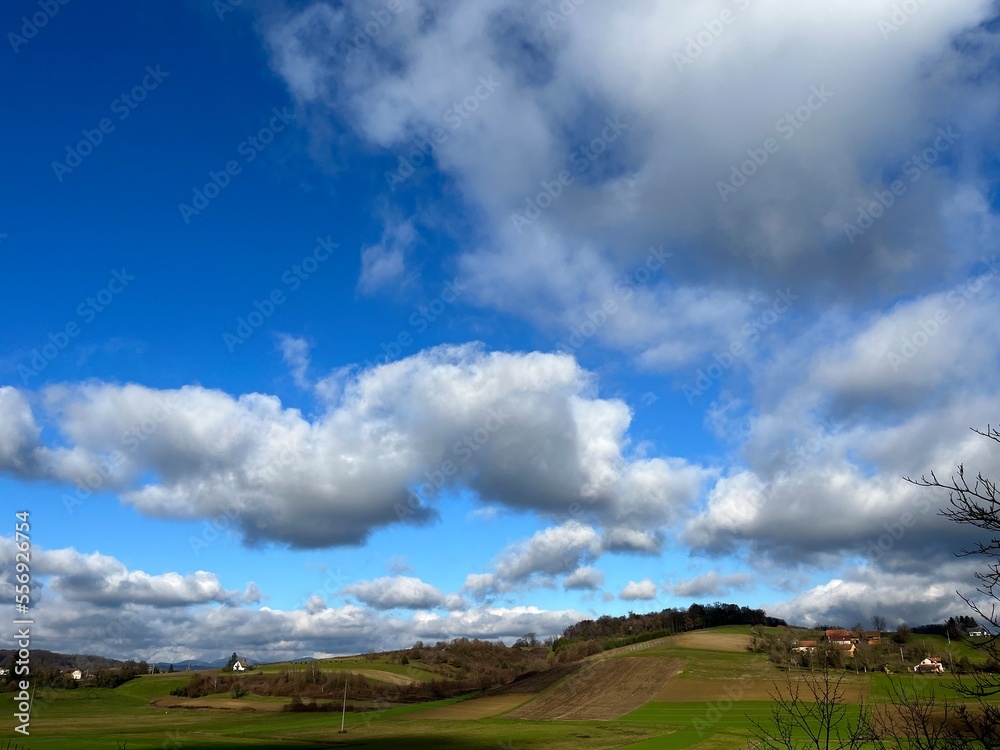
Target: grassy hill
696, 688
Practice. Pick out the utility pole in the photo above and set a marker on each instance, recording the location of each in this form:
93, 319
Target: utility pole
343, 713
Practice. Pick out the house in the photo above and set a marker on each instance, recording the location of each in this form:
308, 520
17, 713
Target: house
847, 648
930, 665
240, 665
805, 646
977, 632
842, 637
76, 674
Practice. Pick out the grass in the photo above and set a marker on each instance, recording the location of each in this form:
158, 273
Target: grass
93, 719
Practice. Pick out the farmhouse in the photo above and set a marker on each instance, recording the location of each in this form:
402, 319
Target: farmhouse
847, 648
932, 665
840, 637
805, 646
76, 674
240, 665
977, 632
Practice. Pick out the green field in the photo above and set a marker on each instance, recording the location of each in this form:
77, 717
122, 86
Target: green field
715, 698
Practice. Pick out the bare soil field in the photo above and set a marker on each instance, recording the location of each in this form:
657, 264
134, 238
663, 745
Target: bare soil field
603, 691
711, 641
478, 708
225, 704
536, 682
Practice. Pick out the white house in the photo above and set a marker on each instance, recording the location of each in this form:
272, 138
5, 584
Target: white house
76, 674
977, 632
241, 665
931, 664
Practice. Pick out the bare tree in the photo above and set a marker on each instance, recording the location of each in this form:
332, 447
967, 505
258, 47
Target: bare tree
913, 718
878, 623
977, 504
810, 710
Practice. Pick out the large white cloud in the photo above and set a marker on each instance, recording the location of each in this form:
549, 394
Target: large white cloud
864, 592
523, 430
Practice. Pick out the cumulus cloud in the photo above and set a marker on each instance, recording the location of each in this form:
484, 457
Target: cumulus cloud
863, 592
584, 578
558, 549
20, 445
521, 430
105, 581
644, 589
711, 583
815, 490
402, 592
92, 603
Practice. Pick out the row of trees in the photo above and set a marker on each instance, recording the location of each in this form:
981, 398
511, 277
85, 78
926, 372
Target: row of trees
666, 621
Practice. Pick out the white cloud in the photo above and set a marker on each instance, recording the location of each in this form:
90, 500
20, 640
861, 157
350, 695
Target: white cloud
521, 430
295, 352
711, 583
657, 174
644, 589
863, 592
19, 435
584, 578
402, 592
91, 603
105, 581
384, 266
558, 549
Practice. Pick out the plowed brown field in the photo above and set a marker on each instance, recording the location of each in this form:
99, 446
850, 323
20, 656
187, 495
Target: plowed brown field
605, 690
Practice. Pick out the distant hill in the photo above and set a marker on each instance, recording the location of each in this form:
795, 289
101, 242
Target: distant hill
43, 658
194, 664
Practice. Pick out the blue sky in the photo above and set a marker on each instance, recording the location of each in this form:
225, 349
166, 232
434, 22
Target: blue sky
378, 321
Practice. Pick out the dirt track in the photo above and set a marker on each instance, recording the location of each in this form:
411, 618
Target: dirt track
605, 690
